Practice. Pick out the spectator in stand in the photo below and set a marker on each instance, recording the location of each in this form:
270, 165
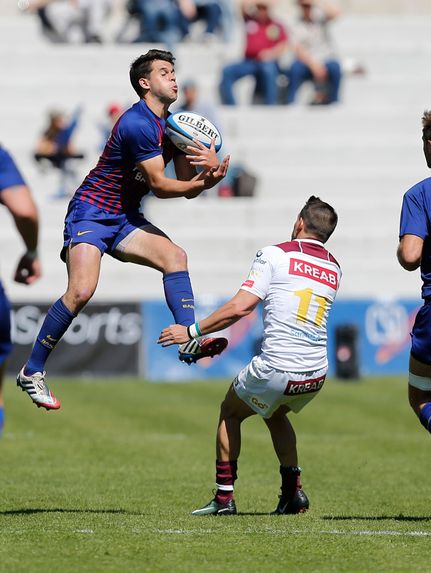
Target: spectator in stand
266, 41
72, 20
314, 56
209, 12
55, 146
158, 21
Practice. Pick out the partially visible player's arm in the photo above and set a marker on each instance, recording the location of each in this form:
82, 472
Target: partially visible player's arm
409, 252
167, 188
242, 304
20, 204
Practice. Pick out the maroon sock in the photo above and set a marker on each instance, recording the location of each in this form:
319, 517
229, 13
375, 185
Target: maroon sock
225, 479
290, 480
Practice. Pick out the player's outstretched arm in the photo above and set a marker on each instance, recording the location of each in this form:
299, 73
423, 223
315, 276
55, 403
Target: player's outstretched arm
242, 304
20, 204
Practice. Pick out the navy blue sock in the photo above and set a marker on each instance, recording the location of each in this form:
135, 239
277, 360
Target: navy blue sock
57, 321
425, 416
1, 419
179, 296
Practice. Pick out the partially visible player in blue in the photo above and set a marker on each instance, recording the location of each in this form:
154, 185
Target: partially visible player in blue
16, 197
414, 251
104, 217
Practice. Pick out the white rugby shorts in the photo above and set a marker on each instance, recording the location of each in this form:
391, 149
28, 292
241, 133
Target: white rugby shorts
264, 389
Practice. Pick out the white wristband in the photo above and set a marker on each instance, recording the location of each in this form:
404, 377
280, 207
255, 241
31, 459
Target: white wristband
193, 331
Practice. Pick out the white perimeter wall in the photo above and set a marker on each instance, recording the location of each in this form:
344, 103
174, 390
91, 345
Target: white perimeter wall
360, 155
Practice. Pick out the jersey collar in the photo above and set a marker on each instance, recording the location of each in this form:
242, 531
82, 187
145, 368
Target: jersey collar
314, 241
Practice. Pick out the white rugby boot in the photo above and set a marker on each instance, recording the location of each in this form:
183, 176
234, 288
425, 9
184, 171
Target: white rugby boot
38, 390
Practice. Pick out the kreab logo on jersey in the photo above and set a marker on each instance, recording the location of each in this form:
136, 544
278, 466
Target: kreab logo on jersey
314, 272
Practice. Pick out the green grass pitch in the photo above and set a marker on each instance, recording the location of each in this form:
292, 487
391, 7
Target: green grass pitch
107, 483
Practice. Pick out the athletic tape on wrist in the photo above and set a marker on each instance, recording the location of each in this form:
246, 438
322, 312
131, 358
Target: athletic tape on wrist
193, 330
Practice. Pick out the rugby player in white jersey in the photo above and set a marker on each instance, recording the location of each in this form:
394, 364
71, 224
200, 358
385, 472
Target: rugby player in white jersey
297, 282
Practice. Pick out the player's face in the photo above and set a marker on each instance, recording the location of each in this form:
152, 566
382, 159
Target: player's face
162, 82
427, 151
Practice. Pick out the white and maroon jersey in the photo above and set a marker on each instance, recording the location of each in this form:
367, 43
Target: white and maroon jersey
297, 282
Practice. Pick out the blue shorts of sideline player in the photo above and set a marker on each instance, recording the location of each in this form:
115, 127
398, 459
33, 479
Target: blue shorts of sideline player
421, 334
86, 223
10, 175
5, 338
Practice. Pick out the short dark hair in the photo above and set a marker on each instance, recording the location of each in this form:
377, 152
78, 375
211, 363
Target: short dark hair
142, 66
426, 125
320, 219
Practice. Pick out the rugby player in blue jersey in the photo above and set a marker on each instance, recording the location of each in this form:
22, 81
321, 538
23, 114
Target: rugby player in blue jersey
16, 197
104, 217
414, 251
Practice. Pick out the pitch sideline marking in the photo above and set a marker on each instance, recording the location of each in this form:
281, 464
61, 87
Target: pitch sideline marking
365, 532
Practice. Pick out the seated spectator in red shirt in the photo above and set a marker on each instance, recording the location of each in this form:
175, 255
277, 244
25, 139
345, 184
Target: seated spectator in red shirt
266, 40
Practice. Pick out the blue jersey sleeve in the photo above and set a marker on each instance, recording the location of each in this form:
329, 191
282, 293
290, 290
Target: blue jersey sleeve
10, 175
144, 140
414, 220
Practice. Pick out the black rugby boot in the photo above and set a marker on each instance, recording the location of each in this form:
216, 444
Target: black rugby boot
291, 505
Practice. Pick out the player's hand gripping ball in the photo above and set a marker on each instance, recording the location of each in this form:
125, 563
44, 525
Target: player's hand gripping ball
184, 126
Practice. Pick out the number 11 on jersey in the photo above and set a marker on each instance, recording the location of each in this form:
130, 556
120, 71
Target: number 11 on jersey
306, 297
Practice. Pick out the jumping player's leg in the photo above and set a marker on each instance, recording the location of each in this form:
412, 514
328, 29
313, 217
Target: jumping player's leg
233, 412
150, 247
420, 391
292, 498
83, 265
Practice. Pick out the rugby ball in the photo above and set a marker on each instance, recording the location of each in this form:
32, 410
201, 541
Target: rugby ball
184, 126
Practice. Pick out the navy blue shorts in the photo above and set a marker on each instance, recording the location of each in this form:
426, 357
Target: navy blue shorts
86, 223
421, 335
9, 172
5, 340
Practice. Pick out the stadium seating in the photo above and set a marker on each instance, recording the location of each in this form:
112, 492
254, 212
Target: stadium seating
360, 155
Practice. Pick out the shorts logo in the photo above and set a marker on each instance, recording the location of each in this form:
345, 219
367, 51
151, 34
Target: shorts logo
260, 405
248, 283
79, 233
314, 272
304, 386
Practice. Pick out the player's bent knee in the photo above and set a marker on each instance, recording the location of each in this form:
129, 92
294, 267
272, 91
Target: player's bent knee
76, 300
176, 259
